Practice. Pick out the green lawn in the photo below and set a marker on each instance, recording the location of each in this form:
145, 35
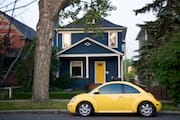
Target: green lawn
170, 107
31, 106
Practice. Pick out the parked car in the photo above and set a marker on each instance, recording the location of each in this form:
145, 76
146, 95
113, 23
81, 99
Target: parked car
115, 97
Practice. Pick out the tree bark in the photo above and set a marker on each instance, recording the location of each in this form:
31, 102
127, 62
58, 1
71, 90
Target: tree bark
48, 11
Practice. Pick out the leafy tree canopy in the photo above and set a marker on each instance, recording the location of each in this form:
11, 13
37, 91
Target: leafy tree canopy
166, 66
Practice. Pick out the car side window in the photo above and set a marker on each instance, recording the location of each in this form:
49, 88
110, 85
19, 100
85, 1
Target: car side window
111, 89
129, 89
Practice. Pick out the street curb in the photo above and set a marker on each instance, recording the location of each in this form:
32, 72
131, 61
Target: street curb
170, 112
65, 111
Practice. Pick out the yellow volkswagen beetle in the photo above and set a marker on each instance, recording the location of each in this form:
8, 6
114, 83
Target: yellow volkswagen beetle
115, 97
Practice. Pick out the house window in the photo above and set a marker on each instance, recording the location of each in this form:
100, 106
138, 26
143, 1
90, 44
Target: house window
76, 68
66, 40
123, 46
113, 43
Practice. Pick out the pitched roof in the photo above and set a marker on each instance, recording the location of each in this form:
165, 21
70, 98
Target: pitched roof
27, 31
103, 24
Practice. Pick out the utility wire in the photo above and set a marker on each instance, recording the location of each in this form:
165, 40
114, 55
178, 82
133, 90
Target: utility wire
4, 6
12, 17
21, 6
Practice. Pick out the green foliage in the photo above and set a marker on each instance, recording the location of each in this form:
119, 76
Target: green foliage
24, 67
20, 95
166, 66
93, 10
159, 56
142, 67
26, 63
54, 64
62, 82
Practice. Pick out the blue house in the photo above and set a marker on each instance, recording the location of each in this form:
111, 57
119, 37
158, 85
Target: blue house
88, 57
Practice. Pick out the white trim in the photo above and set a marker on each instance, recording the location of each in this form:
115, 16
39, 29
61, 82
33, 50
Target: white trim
122, 70
89, 55
82, 31
57, 39
94, 41
87, 67
119, 67
104, 62
81, 68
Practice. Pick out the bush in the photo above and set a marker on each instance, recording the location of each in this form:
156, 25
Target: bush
63, 82
27, 95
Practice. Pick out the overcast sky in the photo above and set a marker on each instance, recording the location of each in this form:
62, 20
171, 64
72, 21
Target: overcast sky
124, 16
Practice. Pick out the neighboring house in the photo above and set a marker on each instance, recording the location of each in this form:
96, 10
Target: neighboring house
90, 58
142, 37
13, 36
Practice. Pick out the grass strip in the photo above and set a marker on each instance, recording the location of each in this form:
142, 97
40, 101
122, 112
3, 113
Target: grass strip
30, 106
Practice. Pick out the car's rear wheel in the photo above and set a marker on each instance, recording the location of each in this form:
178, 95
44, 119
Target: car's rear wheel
84, 109
146, 109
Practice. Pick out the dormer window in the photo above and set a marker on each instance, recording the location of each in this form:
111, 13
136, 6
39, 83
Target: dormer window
66, 40
113, 40
91, 22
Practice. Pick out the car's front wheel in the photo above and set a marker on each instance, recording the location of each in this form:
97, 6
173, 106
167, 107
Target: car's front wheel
146, 109
84, 109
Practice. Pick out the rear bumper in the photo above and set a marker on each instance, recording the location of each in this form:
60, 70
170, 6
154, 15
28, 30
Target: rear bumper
158, 106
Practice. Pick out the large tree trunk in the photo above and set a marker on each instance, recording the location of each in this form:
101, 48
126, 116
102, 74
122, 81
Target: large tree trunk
48, 11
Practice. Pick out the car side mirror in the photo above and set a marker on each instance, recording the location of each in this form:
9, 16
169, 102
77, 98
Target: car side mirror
96, 92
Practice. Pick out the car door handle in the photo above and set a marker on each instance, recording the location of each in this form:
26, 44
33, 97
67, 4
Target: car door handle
121, 97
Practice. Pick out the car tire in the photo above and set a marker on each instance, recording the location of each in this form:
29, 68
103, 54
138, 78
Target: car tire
84, 109
146, 109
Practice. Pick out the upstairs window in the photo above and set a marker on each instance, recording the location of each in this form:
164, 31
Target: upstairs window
76, 68
66, 40
113, 40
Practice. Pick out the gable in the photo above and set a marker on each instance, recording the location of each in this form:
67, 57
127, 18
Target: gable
88, 46
26, 31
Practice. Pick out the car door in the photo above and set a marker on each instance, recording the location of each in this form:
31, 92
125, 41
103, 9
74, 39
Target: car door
107, 99
130, 94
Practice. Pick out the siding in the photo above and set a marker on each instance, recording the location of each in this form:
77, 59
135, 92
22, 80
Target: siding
91, 49
103, 38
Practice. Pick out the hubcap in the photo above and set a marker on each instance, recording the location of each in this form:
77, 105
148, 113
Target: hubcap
146, 109
85, 109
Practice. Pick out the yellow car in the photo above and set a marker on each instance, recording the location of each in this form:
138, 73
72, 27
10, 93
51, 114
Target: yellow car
115, 97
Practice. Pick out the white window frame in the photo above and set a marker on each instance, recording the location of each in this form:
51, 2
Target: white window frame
81, 65
66, 37
115, 40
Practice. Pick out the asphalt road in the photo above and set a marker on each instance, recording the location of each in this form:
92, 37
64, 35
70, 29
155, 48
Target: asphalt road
67, 116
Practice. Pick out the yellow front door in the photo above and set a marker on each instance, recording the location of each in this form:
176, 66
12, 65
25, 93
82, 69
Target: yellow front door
100, 72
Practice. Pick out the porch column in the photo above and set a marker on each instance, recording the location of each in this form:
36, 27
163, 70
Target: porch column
122, 71
119, 67
57, 40
87, 66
